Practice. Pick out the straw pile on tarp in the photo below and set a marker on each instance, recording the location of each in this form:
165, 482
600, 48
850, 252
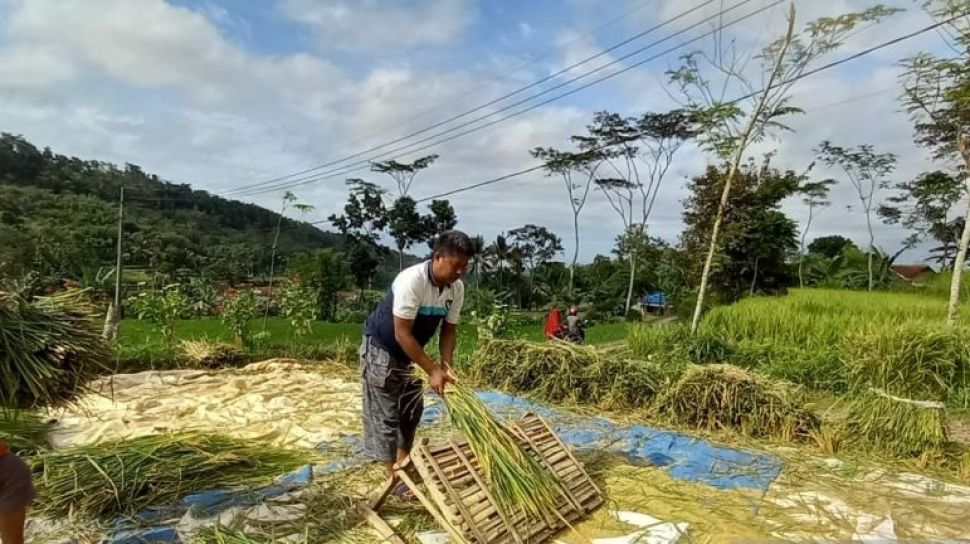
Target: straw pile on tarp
24, 432
212, 355
518, 481
49, 348
718, 397
896, 425
123, 477
565, 372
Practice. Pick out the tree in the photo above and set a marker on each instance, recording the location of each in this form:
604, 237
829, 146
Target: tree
727, 131
923, 205
829, 246
535, 245
867, 171
288, 199
326, 271
658, 137
935, 94
816, 198
403, 173
566, 164
442, 218
363, 220
405, 225
757, 236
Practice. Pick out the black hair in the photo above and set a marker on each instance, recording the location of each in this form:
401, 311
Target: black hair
454, 242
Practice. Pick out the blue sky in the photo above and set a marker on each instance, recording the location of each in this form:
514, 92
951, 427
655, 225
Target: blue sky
224, 93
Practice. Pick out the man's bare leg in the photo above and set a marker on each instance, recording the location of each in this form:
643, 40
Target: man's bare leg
12, 526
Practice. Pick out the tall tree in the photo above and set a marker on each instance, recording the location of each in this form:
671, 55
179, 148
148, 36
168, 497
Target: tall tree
868, 172
923, 205
289, 199
441, 218
536, 245
406, 226
829, 247
757, 236
403, 173
577, 170
363, 220
651, 140
326, 271
815, 195
935, 93
728, 130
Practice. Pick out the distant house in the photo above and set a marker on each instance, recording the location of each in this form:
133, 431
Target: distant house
913, 273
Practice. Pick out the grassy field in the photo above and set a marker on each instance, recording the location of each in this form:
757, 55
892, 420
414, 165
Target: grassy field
833, 340
140, 342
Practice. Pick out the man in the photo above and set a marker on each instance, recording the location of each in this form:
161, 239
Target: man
574, 325
422, 298
16, 493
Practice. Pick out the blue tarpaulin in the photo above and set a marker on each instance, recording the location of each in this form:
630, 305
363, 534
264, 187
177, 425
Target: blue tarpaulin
682, 456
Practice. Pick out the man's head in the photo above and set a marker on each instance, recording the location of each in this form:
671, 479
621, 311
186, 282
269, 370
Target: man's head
452, 251
573, 310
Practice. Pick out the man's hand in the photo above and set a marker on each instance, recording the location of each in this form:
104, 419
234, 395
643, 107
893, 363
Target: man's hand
439, 378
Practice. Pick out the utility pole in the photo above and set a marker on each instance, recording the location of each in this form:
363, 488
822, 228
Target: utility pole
113, 319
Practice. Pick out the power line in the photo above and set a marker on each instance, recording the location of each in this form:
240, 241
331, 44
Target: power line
503, 97
344, 170
828, 66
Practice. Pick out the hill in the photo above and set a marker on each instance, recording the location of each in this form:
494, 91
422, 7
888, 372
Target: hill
58, 218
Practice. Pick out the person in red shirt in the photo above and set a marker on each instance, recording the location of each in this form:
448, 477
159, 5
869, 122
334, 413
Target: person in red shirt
553, 323
16, 493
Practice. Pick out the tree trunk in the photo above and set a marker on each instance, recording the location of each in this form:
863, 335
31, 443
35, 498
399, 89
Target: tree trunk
272, 269
400, 258
801, 250
754, 277
629, 291
742, 144
572, 267
953, 306
872, 243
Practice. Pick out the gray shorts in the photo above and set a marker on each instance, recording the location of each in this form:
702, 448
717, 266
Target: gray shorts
16, 488
393, 402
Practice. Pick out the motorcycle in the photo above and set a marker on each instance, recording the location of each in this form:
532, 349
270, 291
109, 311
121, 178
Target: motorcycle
577, 337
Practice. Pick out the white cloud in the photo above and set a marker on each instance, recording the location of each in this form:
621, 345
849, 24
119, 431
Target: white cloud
382, 24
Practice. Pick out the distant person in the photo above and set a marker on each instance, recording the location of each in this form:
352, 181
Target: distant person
574, 325
422, 299
16, 493
553, 323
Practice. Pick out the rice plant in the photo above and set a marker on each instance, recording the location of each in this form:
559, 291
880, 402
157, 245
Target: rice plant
518, 481
25, 433
49, 349
896, 425
122, 477
719, 397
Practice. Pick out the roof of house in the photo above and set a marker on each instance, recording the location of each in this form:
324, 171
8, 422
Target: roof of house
910, 271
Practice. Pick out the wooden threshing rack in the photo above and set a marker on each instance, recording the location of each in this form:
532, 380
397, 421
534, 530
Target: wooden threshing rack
461, 503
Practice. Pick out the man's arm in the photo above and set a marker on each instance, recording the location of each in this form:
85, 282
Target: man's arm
405, 338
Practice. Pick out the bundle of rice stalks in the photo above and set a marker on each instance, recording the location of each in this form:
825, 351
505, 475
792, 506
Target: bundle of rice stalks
212, 355
23, 432
717, 397
222, 535
49, 349
554, 371
896, 425
566, 372
123, 477
517, 480
916, 360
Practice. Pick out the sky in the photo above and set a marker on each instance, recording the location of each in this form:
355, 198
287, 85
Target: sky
228, 94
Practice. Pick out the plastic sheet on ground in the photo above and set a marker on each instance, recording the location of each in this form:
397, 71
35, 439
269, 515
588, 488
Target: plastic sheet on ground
680, 455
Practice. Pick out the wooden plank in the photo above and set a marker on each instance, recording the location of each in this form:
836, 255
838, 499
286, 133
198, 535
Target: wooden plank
433, 510
378, 523
557, 439
545, 461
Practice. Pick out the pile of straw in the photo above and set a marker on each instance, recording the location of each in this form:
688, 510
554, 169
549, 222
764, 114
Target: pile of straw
212, 355
518, 481
566, 372
895, 425
718, 397
123, 477
49, 349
